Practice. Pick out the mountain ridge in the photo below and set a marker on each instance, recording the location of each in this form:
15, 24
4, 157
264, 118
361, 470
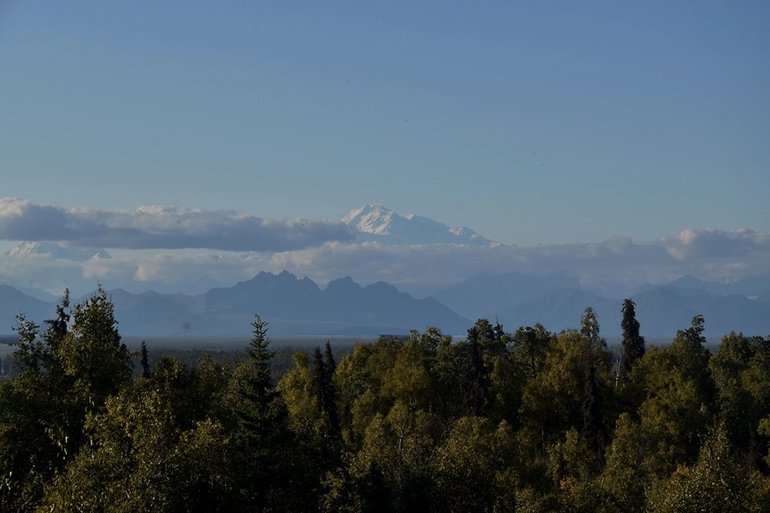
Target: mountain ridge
300, 307
293, 306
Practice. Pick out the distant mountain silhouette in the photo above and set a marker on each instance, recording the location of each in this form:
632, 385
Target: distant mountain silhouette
563, 309
669, 308
299, 307
292, 306
13, 302
754, 286
488, 295
557, 301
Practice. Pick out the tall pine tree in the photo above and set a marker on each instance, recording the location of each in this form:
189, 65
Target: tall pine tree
261, 432
594, 431
633, 343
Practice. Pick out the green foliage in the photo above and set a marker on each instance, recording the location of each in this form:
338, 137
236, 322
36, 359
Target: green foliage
625, 475
530, 347
740, 370
679, 401
64, 375
552, 403
92, 353
475, 467
139, 460
399, 446
529, 422
716, 483
264, 449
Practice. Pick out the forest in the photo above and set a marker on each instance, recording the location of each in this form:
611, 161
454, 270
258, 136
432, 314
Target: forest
524, 421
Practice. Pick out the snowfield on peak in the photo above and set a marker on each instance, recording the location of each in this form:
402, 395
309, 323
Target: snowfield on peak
375, 222
55, 250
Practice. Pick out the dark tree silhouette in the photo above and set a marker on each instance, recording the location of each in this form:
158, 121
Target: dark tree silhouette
144, 361
477, 385
633, 343
323, 370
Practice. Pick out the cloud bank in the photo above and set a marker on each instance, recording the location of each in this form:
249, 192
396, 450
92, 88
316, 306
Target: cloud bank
187, 250
691, 243
155, 227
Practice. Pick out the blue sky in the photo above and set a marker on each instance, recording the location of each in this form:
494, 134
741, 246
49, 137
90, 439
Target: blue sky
532, 123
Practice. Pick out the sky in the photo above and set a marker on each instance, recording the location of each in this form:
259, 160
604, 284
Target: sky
533, 123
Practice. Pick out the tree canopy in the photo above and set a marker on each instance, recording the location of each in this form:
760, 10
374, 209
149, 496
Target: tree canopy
494, 422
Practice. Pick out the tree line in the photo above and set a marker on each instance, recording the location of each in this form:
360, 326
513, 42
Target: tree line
529, 421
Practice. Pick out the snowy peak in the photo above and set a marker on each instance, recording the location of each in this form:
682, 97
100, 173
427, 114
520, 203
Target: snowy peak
373, 218
56, 250
375, 222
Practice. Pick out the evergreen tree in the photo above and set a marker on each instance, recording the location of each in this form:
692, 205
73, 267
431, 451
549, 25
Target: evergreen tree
477, 387
329, 362
530, 345
59, 326
64, 377
92, 353
144, 361
327, 394
255, 387
593, 412
589, 326
261, 432
633, 343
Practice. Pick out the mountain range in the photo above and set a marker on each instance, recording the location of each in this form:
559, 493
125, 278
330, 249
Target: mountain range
557, 301
299, 307
292, 306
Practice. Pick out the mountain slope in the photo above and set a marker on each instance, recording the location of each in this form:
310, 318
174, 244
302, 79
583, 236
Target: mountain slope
13, 302
488, 295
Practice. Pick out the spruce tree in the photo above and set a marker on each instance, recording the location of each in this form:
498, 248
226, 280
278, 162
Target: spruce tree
58, 327
256, 388
633, 343
330, 393
594, 431
261, 438
477, 386
144, 361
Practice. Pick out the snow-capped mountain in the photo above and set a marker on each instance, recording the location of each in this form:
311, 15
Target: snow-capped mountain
58, 251
374, 222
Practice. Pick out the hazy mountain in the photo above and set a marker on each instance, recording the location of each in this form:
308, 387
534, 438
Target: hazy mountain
292, 306
13, 302
557, 301
754, 286
488, 295
563, 309
375, 222
669, 308
298, 306
150, 313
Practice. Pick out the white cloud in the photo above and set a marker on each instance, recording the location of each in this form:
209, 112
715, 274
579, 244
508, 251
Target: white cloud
691, 243
614, 267
156, 227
